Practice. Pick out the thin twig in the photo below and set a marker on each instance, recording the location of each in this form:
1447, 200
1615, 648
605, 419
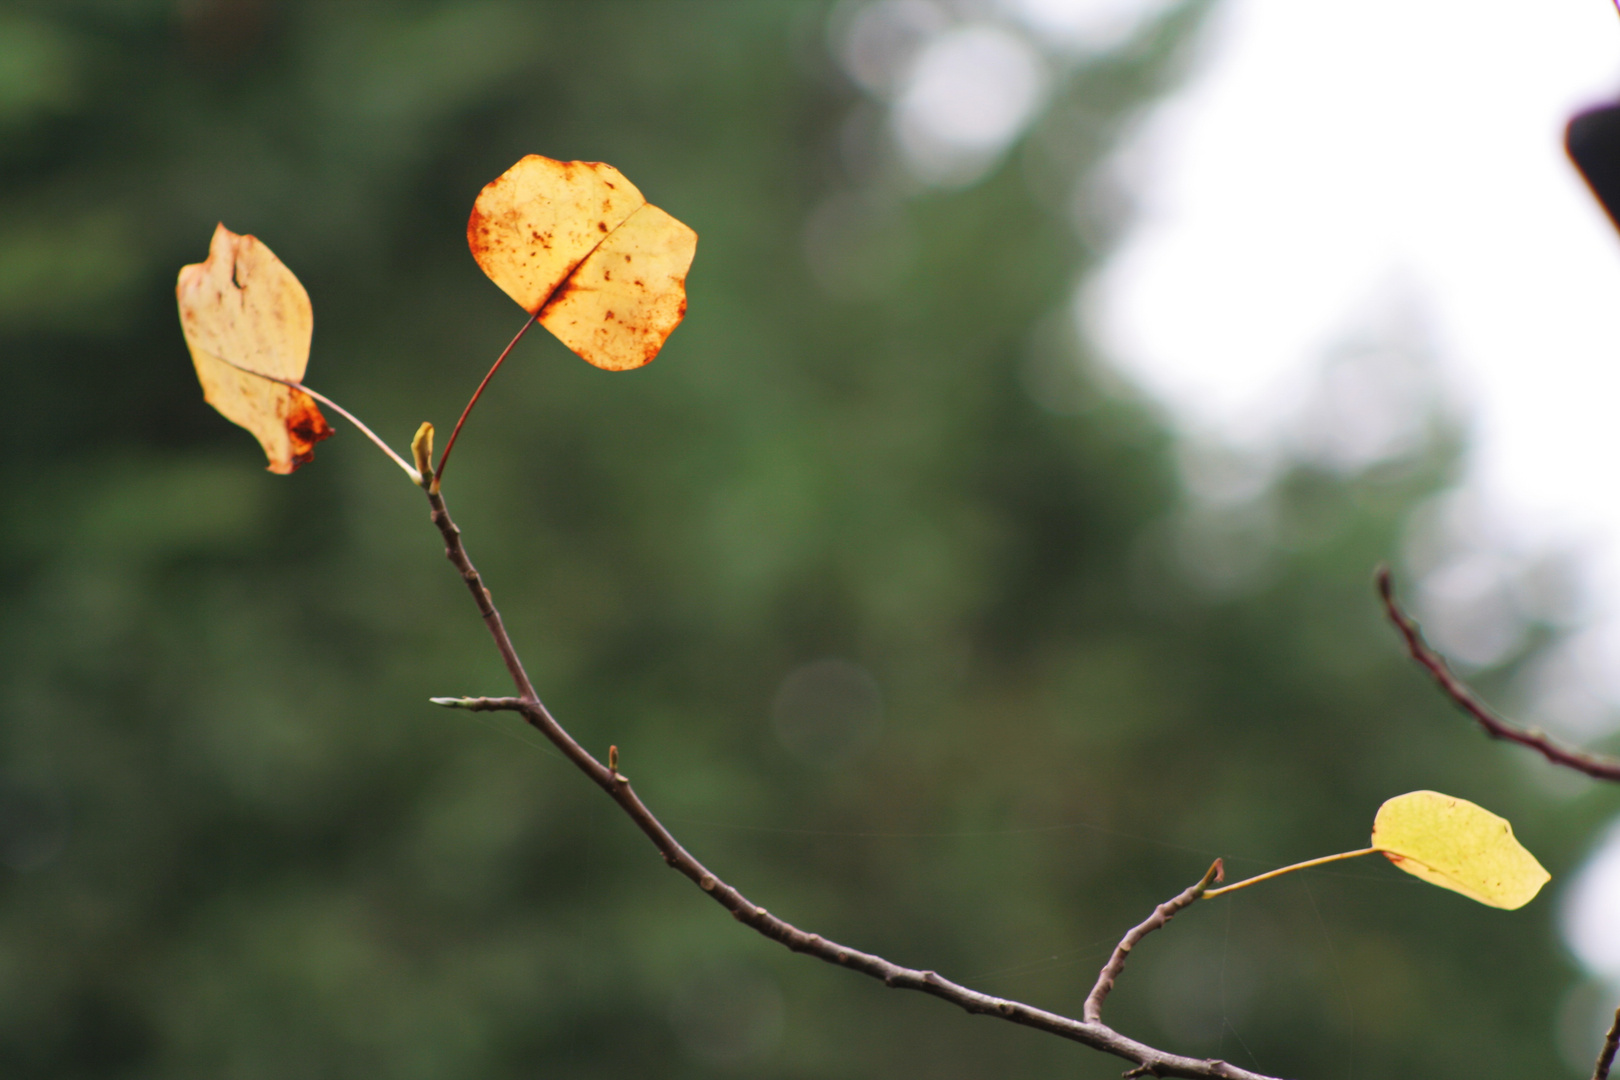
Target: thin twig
1611, 1042
478, 393
1280, 871
1593, 765
1161, 915
1147, 1060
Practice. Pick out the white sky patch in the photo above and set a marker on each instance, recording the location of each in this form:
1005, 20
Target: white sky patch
967, 96
1082, 26
1324, 153
1592, 911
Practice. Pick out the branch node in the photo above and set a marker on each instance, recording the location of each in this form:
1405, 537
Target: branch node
707, 883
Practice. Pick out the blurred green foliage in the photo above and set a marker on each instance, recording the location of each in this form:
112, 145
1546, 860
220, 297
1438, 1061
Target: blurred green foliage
238, 843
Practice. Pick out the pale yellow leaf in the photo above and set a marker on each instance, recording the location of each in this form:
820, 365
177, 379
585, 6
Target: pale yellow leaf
1457, 845
625, 299
243, 312
575, 242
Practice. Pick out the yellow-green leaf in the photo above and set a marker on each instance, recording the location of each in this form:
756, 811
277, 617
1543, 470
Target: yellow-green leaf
1457, 845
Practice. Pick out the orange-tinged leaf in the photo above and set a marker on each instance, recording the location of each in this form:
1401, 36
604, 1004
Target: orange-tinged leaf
535, 222
1457, 845
577, 244
243, 312
627, 297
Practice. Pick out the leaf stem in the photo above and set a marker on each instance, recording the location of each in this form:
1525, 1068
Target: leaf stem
416, 477
478, 393
1267, 876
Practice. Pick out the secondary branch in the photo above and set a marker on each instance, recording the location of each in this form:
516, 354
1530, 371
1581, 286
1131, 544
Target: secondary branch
1593, 765
1161, 915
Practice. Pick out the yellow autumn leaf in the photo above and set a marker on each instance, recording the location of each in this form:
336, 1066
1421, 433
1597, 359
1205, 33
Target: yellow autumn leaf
575, 243
1457, 845
243, 311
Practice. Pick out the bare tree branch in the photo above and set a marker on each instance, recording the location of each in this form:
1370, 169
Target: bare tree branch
1593, 765
1161, 915
1147, 1060
1611, 1042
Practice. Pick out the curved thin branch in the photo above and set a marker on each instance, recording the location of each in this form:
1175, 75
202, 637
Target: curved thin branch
1147, 1060
1594, 765
1161, 915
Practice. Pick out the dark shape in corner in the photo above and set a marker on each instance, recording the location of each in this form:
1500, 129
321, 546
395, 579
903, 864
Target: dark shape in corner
1593, 142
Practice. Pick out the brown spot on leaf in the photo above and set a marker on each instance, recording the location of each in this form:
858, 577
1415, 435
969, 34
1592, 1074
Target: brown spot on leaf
305, 427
